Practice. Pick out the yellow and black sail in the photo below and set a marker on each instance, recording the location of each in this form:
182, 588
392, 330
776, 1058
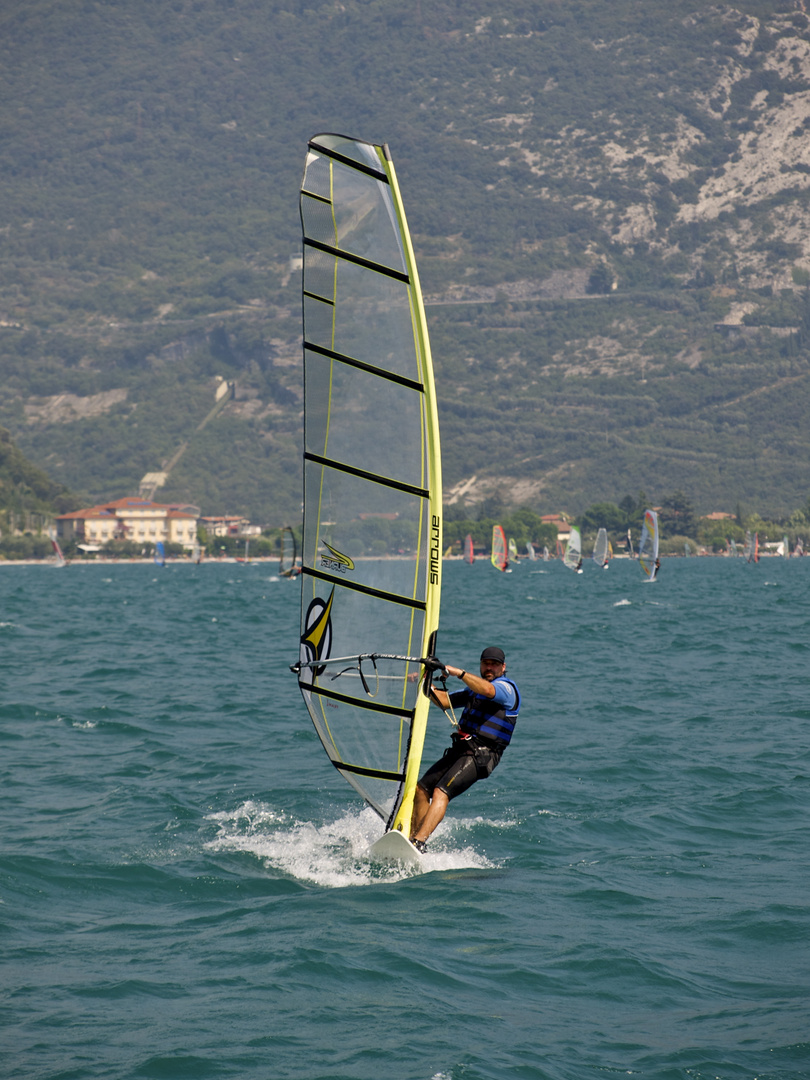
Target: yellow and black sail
372, 476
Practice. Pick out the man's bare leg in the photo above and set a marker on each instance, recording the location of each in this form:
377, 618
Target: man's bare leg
435, 813
421, 805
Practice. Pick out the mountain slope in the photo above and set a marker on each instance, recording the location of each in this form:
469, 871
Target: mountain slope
609, 205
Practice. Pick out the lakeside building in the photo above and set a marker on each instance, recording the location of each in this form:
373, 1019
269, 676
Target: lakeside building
136, 519
226, 525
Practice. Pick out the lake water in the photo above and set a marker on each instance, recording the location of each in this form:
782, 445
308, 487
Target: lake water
185, 890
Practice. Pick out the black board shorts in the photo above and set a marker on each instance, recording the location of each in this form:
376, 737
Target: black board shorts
459, 767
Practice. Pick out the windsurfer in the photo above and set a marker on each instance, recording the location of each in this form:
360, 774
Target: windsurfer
491, 704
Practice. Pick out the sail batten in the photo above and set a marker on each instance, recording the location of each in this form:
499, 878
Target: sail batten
375, 478
371, 563
350, 360
345, 160
378, 268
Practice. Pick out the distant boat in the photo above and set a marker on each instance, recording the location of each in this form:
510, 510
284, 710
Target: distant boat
648, 545
289, 552
530, 551
751, 549
160, 554
600, 548
59, 559
573, 551
469, 551
499, 558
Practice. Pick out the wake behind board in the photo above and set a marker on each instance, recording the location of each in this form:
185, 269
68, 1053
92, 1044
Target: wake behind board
395, 846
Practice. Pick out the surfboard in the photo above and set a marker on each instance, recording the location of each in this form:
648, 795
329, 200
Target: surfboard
395, 847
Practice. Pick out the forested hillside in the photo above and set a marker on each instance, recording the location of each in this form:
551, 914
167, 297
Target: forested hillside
610, 205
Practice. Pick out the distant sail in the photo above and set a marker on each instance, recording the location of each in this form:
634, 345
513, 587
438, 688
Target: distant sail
289, 552
160, 554
499, 558
630, 551
600, 548
371, 457
59, 557
530, 551
513, 551
648, 545
573, 551
751, 549
546, 555
469, 551
785, 548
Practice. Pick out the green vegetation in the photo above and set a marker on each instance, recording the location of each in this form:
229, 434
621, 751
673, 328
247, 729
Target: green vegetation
150, 161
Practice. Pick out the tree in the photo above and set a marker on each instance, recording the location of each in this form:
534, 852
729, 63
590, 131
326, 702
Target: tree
600, 283
677, 515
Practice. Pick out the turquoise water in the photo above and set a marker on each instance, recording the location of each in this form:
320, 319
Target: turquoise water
184, 887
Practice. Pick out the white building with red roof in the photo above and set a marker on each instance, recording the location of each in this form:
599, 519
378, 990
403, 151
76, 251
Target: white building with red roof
133, 518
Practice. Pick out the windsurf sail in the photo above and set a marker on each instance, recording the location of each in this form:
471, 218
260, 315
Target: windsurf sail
785, 547
751, 549
530, 551
160, 554
573, 550
546, 555
372, 477
469, 552
499, 557
289, 552
648, 545
512, 548
630, 551
59, 558
196, 551
600, 548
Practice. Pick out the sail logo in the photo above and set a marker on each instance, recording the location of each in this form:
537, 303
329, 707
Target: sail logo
435, 548
316, 638
335, 560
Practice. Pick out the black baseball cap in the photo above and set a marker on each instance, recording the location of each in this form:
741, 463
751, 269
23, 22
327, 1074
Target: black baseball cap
494, 653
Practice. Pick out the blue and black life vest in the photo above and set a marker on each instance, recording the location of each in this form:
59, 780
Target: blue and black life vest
486, 718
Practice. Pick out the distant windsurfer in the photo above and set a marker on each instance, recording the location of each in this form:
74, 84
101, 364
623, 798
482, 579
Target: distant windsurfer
657, 567
490, 704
